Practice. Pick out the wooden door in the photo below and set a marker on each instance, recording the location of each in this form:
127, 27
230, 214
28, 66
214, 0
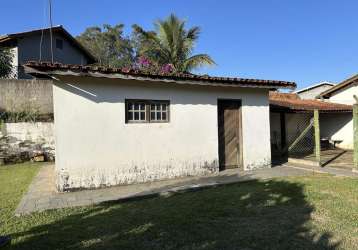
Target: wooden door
229, 125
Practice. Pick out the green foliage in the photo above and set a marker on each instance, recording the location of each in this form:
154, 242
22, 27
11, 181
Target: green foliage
108, 45
5, 62
170, 43
25, 116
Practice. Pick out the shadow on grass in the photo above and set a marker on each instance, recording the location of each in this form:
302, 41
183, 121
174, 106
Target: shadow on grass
252, 215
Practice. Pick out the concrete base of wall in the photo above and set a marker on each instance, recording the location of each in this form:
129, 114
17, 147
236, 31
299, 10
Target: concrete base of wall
304, 162
67, 180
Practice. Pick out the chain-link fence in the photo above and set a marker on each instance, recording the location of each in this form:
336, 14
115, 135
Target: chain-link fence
314, 137
300, 135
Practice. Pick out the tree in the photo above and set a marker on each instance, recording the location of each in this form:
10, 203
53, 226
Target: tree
170, 43
5, 62
108, 45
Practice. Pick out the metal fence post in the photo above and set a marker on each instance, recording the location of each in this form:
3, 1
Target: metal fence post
317, 136
355, 137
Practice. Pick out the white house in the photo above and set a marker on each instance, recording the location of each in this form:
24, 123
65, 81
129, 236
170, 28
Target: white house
344, 93
312, 91
120, 127
35, 45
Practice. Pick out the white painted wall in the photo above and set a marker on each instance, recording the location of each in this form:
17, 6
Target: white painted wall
345, 133
338, 127
38, 132
314, 92
15, 62
94, 146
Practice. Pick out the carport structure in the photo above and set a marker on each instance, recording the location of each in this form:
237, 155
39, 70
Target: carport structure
305, 131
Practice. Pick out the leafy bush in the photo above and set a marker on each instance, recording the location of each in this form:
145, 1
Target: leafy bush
5, 62
25, 116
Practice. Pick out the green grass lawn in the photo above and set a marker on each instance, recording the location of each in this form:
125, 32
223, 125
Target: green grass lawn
314, 212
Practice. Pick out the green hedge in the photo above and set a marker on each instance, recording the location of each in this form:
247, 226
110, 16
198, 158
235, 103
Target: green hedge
24, 116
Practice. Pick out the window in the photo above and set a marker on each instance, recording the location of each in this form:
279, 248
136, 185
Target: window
147, 111
59, 44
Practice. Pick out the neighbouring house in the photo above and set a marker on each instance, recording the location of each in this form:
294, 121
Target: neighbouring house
116, 126
290, 116
344, 93
311, 92
35, 45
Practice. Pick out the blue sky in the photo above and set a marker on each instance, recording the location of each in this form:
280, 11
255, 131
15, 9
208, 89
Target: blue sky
305, 41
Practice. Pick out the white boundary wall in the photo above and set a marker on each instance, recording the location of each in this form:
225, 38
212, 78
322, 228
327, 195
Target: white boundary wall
345, 133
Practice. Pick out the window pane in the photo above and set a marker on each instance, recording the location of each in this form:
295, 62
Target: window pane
152, 116
130, 116
137, 111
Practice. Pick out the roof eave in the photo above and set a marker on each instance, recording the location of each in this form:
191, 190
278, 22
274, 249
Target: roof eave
164, 79
328, 93
314, 86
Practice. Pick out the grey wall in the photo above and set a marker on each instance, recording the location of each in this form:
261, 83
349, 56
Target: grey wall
19, 95
29, 50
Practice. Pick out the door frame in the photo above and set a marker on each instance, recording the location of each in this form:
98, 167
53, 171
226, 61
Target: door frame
239, 101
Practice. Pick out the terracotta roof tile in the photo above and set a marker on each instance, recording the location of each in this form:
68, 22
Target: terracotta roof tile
294, 103
58, 68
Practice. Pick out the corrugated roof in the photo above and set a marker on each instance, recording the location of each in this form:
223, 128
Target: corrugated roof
97, 71
292, 102
59, 29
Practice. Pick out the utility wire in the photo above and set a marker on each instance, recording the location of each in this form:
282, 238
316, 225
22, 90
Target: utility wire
50, 14
42, 31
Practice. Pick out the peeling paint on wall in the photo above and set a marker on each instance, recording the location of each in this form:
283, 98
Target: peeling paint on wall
138, 173
260, 164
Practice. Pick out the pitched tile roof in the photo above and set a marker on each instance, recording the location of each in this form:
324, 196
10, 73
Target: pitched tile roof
314, 86
346, 83
106, 72
292, 102
59, 29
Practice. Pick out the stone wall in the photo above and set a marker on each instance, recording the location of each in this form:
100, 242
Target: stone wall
22, 141
22, 95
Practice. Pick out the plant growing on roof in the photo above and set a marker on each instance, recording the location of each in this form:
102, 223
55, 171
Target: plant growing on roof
170, 44
145, 65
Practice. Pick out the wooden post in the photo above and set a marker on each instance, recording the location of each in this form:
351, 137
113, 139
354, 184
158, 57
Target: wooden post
283, 132
317, 136
355, 137
1, 126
